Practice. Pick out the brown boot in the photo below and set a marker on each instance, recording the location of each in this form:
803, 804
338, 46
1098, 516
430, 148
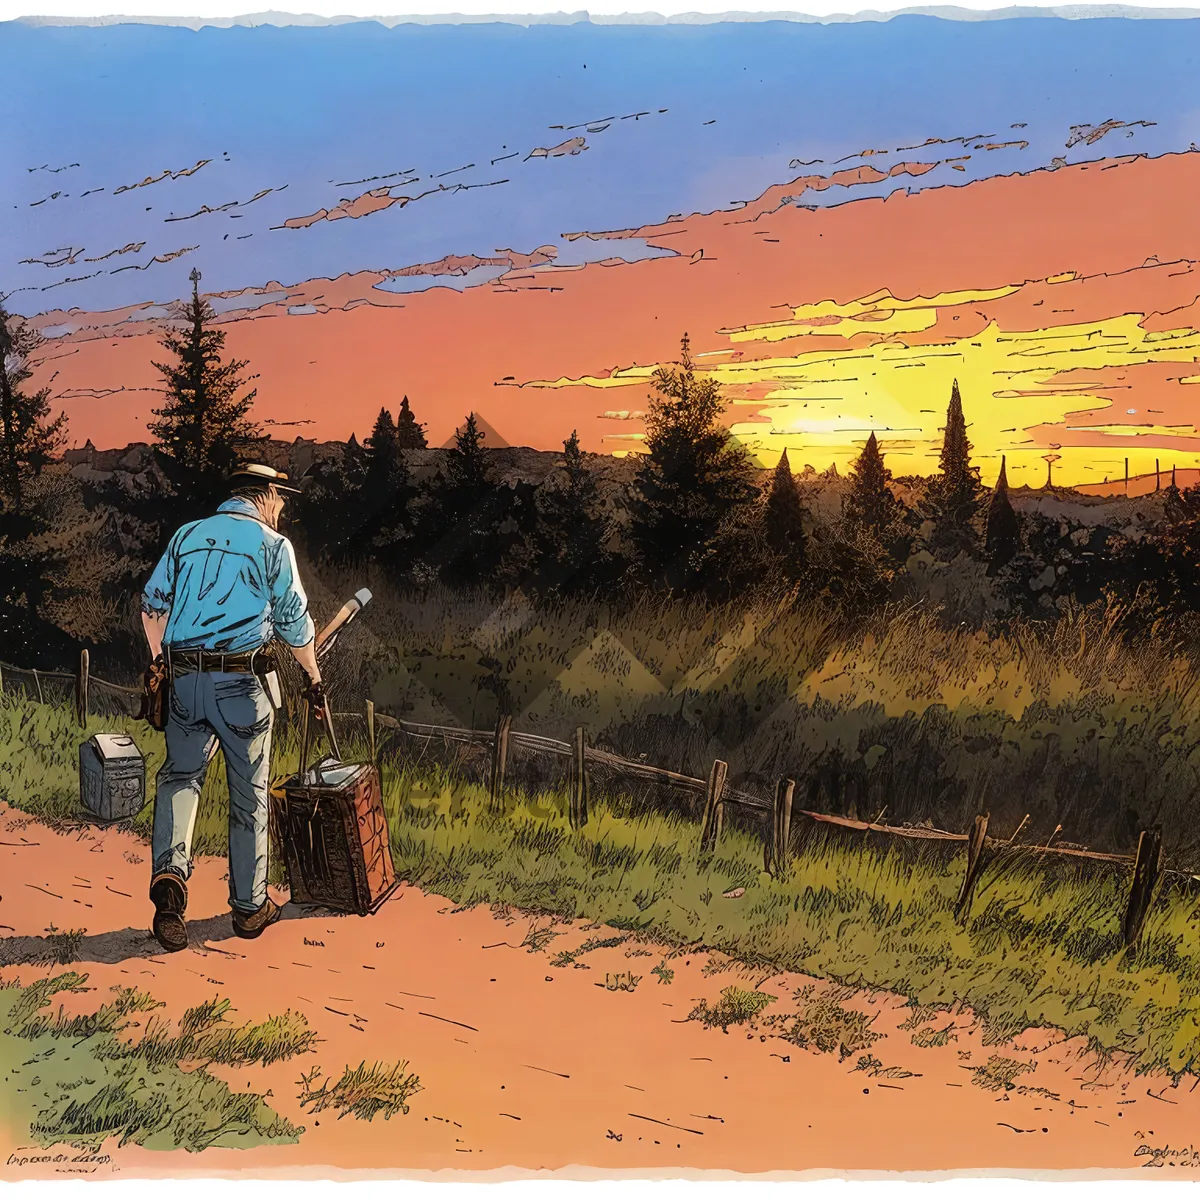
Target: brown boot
250, 925
168, 893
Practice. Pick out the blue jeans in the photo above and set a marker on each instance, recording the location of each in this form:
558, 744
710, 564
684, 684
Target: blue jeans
206, 709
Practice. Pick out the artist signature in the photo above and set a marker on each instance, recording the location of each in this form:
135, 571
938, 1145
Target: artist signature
84, 1162
1187, 1157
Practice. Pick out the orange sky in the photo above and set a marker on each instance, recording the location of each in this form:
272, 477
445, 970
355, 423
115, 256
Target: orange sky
1064, 301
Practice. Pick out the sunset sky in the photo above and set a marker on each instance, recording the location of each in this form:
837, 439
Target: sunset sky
844, 218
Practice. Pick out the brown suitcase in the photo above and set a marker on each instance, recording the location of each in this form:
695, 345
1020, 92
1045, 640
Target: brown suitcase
335, 836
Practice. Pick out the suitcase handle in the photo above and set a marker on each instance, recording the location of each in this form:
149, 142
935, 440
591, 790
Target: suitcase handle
307, 740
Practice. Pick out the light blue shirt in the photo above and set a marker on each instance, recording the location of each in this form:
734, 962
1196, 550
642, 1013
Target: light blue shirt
229, 583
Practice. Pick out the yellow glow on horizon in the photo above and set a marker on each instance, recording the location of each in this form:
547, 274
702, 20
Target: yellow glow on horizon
881, 313
822, 405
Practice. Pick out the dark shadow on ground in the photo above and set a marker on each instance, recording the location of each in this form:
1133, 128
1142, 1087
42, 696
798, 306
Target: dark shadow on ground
121, 945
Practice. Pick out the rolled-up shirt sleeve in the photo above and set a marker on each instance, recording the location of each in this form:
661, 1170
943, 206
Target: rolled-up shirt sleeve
159, 592
289, 604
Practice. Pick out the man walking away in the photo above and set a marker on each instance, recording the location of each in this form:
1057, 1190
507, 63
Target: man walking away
226, 586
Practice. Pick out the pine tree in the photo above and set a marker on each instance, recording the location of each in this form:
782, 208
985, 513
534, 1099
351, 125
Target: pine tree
693, 478
330, 509
784, 517
386, 472
1003, 538
383, 449
954, 492
871, 507
572, 531
384, 500
467, 467
471, 527
410, 434
205, 427
29, 438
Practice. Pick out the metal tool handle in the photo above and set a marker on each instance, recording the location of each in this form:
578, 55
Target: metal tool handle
306, 738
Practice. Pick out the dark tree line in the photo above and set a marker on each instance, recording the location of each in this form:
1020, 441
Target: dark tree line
695, 518
30, 437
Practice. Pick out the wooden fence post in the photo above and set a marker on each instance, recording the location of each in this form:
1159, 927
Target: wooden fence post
781, 827
81, 689
37, 683
371, 728
710, 829
499, 756
975, 846
579, 796
1145, 876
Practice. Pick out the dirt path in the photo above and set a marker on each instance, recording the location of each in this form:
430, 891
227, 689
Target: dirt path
529, 1065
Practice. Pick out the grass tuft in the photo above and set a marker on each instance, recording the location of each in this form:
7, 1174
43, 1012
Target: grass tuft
83, 1079
665, 974
735, 1007
998, 1073
62, 946
362, 1092
622, 981
570, 958
823, 1023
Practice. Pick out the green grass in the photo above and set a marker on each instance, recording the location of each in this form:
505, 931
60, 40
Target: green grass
1075, 722
822, 1022
362, 1092
999, 1073
39, 769
1042, 946
570, 958
85, 1078
735, 1007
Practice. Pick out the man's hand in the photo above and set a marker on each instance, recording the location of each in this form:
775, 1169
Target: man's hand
314, 697
154, 694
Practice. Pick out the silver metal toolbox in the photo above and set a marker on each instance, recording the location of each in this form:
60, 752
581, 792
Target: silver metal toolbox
112, 777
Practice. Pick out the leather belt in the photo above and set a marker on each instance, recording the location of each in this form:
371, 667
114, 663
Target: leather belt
246, 662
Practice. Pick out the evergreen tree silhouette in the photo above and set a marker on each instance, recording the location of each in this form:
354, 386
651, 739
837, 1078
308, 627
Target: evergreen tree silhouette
385, 497
29, 439
331, 510
29, 436
204, 428
693, 478
954, 492
472, 527
383, 449
784, 516
467, 468
410, 434
572, 532
1003, 537
871, 507
386, 472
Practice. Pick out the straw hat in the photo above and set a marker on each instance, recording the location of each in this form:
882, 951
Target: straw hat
258, 473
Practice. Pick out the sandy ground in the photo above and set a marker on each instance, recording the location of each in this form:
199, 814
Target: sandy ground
524, 1065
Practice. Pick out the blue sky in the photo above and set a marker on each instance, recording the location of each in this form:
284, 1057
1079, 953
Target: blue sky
676, 118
